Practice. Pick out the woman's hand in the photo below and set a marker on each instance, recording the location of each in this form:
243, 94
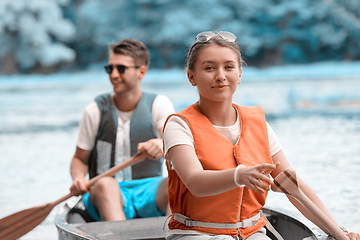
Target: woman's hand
256, 177
353, 236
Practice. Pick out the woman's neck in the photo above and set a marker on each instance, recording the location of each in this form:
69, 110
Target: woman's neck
219, 113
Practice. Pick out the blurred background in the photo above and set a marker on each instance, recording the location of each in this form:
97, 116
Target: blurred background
40, 36
303, 69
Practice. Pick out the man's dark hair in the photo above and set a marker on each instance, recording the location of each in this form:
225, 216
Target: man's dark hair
133, 48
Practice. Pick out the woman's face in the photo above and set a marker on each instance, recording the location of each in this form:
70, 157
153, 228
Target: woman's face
216, 73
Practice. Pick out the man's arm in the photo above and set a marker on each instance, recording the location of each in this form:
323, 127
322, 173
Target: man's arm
162, 108
87, 133
78, 171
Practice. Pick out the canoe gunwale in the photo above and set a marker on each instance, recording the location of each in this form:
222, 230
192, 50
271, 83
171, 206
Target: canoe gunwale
110, 230
297, 218
66, 230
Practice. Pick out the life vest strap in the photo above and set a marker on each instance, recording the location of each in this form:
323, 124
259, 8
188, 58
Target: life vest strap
271, 228
191, 223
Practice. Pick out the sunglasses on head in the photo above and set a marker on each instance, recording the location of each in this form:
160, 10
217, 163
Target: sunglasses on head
121, 68
206, 36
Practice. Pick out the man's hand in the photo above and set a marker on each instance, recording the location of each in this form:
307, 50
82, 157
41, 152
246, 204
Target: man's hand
79, 186
152, 147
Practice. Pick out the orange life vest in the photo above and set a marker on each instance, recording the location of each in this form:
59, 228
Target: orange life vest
215, 152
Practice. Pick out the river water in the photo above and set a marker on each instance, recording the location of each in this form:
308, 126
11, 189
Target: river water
317, 118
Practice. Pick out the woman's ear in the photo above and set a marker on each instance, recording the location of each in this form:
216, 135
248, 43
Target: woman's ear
191, 78
240, 76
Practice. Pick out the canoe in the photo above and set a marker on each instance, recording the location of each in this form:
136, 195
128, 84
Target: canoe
71, 225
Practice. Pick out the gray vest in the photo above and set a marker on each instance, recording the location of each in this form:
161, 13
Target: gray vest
141, 130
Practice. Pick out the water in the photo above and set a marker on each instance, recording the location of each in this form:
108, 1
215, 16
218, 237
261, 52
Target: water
317, 119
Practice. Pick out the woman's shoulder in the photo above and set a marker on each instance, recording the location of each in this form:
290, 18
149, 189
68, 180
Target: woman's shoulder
175, 119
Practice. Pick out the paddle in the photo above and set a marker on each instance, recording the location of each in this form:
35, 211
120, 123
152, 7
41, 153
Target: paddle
286, 182
18, 224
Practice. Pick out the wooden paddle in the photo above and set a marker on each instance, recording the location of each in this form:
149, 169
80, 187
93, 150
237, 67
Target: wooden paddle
287, 182
18, 224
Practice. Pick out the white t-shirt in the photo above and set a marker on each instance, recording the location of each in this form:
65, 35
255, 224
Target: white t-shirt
89, 124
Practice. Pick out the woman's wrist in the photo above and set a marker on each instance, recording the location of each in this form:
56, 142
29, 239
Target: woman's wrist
236, 181
342, 229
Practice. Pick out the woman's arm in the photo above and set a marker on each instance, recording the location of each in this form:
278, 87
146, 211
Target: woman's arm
202, 182
310, 193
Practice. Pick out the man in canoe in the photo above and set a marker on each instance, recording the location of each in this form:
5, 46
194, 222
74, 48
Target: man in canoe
116, 126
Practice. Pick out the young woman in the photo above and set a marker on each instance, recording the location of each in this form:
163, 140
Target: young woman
220, 154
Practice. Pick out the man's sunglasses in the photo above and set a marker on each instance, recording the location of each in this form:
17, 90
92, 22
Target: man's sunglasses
121, 68
206, 36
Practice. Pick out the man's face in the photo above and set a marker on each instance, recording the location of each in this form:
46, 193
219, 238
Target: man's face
130, 79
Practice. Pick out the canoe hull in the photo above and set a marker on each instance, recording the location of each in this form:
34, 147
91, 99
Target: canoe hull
71, 226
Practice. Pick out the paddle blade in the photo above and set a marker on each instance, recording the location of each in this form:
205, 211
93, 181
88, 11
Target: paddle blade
18, 224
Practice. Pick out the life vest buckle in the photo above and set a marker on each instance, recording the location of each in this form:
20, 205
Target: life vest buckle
188, 222
248, 223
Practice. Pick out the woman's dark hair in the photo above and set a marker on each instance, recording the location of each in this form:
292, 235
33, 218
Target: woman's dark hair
133, 48
215, 40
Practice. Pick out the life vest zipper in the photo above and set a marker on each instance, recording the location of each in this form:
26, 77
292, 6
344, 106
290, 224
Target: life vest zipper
242, 195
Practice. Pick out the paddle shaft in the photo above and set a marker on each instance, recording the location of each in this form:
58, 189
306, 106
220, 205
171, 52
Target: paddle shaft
138, 157
18, 224
318, 214
287, 183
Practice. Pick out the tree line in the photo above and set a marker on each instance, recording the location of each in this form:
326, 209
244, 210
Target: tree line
72, 35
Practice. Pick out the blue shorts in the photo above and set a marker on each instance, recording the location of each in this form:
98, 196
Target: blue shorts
139, 198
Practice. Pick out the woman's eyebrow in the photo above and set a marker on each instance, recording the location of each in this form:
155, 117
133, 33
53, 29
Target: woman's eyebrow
209, 61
